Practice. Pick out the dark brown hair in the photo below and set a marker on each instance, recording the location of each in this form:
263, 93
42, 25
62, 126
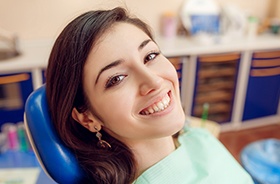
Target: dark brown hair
65, 91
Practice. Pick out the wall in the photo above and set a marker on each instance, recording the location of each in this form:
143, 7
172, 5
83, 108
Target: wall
41, 19
277, 10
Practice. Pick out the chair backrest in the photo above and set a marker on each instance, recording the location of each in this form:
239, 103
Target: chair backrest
54, 157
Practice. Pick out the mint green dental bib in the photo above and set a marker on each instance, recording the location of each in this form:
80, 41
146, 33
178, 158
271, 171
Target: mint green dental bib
200, 159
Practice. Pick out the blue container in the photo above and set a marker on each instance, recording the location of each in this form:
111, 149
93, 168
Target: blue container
262, 160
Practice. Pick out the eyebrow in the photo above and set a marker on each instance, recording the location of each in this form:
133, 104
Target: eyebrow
143, 44
118, 62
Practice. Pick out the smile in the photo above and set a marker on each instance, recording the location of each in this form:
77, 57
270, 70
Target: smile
157, 107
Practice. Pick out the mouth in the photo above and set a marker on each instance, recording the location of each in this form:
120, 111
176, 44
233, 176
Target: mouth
158, 106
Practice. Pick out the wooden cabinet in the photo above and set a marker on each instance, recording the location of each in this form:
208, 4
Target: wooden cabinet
239, 79
14, 90
263, 89
215, 83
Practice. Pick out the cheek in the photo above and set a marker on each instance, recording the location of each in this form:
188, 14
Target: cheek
169, 71
115, 107
117, 118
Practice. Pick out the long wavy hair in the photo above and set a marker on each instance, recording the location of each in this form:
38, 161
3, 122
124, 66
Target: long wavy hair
65, 91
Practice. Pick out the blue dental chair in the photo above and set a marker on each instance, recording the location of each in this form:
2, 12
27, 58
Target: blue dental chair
54, 157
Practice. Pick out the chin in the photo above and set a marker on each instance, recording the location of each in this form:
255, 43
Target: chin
178, 124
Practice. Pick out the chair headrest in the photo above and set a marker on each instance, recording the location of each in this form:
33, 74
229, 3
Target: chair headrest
57, 160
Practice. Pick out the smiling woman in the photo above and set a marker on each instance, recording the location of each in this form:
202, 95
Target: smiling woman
114, 100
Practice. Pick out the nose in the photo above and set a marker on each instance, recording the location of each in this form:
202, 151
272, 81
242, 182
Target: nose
149, 81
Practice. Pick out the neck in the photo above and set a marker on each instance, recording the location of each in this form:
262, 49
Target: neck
150, 152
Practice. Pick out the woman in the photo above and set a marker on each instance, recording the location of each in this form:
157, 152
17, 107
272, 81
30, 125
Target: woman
114, 100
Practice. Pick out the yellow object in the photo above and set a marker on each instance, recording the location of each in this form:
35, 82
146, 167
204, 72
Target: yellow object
212, 126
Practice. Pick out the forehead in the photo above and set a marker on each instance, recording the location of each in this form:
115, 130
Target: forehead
122, 34
116, 42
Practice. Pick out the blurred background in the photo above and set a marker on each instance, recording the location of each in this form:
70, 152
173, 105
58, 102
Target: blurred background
40, 19
226, 52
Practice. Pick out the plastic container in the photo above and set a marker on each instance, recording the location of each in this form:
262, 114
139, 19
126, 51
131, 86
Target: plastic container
22, 137
169, 25
9, 130
262, 160
12, 137
201, 16
253, 24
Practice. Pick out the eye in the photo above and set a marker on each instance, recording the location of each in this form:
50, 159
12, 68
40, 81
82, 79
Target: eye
114, 80
151, 56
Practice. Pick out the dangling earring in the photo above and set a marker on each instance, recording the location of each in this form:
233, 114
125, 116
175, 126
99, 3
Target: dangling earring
101, 143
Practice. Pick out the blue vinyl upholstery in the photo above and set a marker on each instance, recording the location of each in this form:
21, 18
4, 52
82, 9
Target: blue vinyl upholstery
55, 158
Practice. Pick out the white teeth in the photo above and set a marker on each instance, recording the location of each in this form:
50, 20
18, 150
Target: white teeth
157, 107
160, 105
151, 110
166, 101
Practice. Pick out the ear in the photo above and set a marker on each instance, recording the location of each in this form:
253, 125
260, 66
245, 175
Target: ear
87, 120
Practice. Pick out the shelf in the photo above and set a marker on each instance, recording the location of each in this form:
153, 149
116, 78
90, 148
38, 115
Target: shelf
215, 84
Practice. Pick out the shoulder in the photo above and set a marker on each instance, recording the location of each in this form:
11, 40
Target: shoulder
202, 141
200, 158
207, 152
196, 134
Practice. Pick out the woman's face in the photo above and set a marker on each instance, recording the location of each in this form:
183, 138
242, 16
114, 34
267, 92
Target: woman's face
132, 88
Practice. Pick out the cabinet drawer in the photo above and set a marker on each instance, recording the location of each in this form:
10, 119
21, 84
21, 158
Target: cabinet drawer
14, 90
263, 92
215, 84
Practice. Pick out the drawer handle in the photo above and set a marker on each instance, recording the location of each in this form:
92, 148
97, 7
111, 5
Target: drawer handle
14, 78
266, 54
266, 63
265, 72
220, 58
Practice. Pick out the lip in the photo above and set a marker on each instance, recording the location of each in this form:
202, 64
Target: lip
160, 113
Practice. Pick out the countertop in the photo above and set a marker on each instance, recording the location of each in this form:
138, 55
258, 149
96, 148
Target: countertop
34, 54
195, 46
